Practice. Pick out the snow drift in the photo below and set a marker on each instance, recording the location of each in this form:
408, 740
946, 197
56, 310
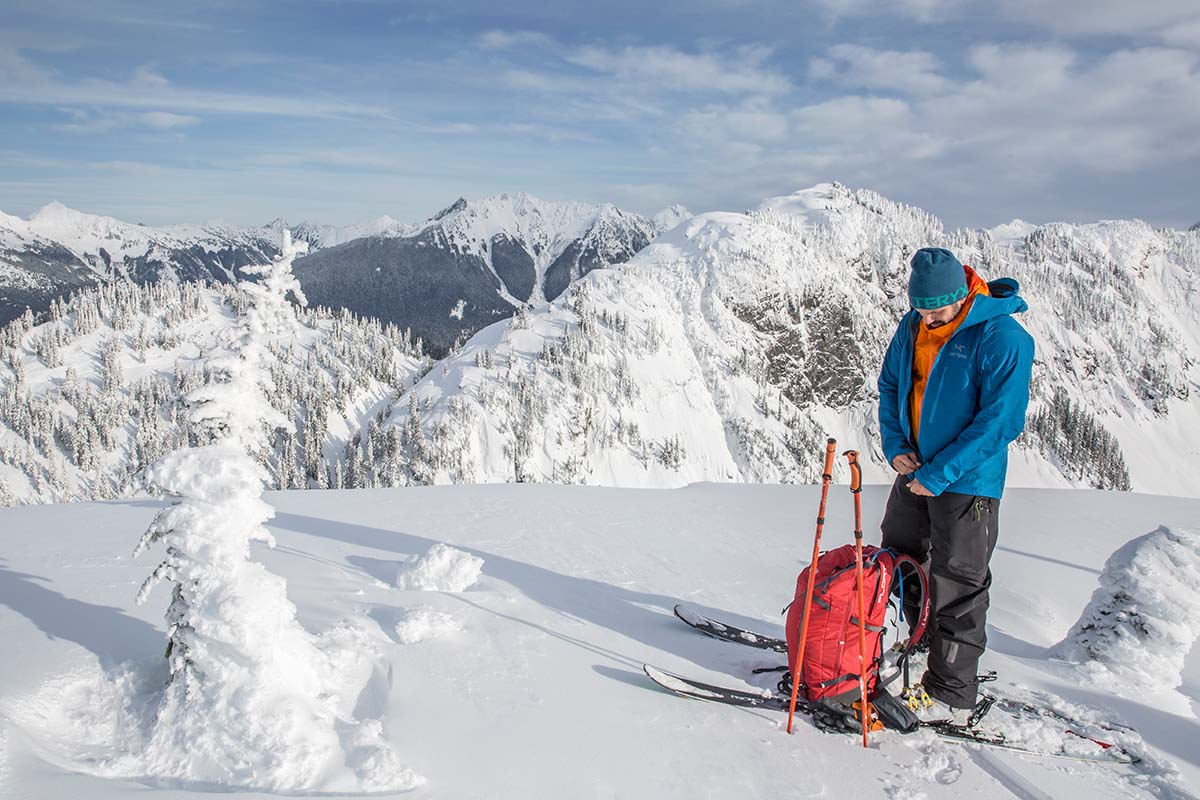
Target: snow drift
442, 569
1145, 616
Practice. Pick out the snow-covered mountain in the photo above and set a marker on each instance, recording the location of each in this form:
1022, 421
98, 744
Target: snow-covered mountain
671, 216
59, 250
93, 396
726, 350
527, 668
730, 347
444, 278
472, 263
35, 269
318, 235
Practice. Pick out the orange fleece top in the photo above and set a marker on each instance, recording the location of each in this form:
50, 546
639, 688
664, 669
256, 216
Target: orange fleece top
929, 343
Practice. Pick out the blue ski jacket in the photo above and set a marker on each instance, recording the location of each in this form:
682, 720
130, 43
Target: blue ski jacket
974, 402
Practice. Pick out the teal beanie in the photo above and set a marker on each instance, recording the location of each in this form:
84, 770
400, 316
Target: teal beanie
937, 279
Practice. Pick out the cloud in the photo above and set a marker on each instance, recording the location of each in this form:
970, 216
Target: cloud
1161, 18
21, 81
1184, 34
911, 72
752, 121
504, 40
920, 10
165, 120
146, 78
95, 122
530, 80
667, 68
1024, 125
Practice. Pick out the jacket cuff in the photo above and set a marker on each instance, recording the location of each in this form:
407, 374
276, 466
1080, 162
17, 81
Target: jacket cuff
931, 480
891, 450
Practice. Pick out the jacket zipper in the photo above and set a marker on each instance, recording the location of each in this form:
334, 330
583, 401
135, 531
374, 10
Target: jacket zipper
932, 369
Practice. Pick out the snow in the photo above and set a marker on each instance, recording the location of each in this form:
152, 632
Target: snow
319, 235
442, 569
670, 217
251, 699
543, 228
541, 694
86, 235
1012, 232
811, 206
734, 341
424, 623
744, 338
1144, 616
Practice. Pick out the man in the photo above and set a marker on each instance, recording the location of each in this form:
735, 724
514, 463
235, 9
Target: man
953, 391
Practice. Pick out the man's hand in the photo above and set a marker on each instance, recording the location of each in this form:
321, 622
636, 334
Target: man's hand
906, 463
915, 487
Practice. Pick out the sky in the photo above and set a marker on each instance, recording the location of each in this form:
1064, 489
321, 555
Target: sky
338, 112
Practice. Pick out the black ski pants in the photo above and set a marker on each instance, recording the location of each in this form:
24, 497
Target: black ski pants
953, 536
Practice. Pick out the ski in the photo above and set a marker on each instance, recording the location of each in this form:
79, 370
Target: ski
729, 633
761, 641
1111, 753
686, 687
717, 694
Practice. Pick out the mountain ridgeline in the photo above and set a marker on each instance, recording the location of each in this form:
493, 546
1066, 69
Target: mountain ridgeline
445, 278
727, 349
472, 263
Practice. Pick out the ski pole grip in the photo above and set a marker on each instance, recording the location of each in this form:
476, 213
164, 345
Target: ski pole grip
855, 471
830, 454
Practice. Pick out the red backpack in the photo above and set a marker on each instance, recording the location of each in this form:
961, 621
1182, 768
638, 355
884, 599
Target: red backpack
831, 666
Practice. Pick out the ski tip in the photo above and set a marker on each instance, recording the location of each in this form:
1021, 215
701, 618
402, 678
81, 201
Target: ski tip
664, 679
686, 614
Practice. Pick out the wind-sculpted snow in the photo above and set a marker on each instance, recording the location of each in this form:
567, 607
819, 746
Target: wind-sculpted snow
1145, 615
424, 623
442, 569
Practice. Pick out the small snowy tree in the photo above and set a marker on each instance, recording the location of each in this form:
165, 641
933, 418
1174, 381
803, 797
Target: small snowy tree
248, 700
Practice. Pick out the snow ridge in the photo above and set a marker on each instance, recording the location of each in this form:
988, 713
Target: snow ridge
1144, 617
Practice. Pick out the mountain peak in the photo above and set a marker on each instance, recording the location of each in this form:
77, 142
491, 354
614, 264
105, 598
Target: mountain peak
55, 220
457, 205
1013, 231
670, 217
813, 204
55, 211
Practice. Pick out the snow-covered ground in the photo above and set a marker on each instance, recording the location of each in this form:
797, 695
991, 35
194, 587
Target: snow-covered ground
526, 681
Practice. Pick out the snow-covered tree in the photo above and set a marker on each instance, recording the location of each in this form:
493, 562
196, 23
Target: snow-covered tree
248, 697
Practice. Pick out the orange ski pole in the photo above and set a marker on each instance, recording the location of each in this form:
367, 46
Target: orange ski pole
856, 490
826, 477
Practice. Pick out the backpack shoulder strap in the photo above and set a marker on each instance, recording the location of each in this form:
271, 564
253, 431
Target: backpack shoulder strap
900, 563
